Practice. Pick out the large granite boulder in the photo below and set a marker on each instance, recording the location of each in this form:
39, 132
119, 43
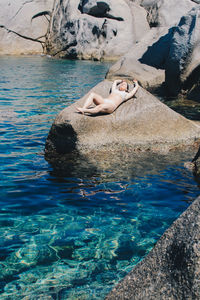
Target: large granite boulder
145, 60
142, 122
172, 269
183, 62
23, 26
95, 30
166, 56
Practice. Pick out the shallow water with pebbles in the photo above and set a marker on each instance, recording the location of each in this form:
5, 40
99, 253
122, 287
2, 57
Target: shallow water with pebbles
74, 232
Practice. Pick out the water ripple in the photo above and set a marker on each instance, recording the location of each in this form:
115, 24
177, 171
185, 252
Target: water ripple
72, 233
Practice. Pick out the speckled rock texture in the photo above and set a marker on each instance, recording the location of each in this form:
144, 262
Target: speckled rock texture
95, 29
172, 269
166, 12
142, 122
20, 33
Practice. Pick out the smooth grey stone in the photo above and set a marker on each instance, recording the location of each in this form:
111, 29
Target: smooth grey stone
172, 269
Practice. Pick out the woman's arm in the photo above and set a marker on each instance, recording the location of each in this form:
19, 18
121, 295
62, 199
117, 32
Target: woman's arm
134, 90
114, 86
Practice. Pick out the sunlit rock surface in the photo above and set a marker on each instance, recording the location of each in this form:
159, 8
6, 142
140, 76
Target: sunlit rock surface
166, 12
168, 54
145, 60
171, 270
19, 33
95, 30
140, 123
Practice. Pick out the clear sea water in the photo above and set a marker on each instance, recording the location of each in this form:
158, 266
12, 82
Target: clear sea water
74, 233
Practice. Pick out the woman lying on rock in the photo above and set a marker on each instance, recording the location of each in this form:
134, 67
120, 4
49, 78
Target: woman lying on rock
119, 94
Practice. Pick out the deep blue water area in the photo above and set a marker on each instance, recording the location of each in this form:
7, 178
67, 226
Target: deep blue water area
74, 233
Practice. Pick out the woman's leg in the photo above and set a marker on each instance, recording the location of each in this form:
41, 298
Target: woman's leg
101, 108
93, 98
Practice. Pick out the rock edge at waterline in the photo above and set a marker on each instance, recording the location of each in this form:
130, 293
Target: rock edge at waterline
142, 122
172, 269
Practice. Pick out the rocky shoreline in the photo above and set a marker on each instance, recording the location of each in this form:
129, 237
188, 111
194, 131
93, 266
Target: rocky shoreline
157, 43
147, 40
171, 269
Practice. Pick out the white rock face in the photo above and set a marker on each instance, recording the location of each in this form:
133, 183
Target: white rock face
89, 30
166, 12
16, 15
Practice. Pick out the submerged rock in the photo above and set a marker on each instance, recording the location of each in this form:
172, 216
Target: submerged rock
142, 122
171, 269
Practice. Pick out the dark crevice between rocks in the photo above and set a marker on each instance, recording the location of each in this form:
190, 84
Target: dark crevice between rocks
152, 14
153, 24
69, 54
21, 7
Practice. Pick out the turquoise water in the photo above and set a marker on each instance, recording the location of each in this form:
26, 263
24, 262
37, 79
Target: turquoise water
73, 233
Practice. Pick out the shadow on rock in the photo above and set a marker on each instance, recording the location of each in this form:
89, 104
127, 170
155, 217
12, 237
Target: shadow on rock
156, 55
61, 140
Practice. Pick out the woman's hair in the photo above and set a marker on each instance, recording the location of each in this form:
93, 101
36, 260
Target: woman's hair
127, 90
